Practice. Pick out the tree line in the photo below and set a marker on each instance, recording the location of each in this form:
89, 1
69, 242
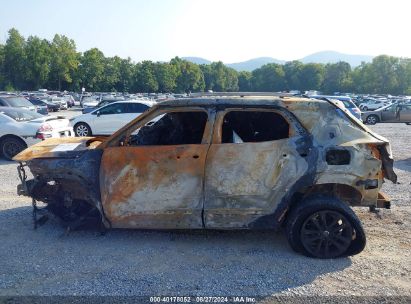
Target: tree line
33, 63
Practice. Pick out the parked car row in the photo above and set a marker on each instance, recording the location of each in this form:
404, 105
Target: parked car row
374, 104
21, 128
113, 111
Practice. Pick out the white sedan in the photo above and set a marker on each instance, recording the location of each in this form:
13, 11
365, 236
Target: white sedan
21, 128
373, 105
109, 118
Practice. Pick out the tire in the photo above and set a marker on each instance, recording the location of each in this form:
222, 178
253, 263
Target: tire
11, 146
82, 129
318, 223
365, 108
372, 119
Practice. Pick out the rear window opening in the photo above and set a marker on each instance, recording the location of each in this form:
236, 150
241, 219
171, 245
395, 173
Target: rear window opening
20, 114
176, 128
254, 126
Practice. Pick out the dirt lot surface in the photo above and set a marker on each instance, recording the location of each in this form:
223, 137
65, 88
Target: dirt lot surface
124, 262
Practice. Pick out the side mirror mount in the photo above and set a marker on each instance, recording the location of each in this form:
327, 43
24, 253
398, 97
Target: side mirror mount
98, 113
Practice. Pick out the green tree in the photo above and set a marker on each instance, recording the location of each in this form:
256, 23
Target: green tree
269, 78
311, 76
14, 60
245, 81
337, 77
208, 76
292, 74
64, 61
2, 77
189, 76
359, 77
166, 75
91, 69
111, 74
220, 78
224, 78
383, 74
145, 77
126, 75
38, 58
404, 76
75, 75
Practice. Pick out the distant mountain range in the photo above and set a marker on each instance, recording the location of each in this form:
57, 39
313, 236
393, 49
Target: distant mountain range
319, 57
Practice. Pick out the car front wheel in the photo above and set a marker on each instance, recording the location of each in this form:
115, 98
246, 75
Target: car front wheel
11, 146
325, 227
371, 120
82, 129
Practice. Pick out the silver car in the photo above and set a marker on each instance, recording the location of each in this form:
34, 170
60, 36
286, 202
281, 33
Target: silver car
390, 113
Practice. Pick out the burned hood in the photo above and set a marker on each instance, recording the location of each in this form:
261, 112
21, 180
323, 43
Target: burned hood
59, 148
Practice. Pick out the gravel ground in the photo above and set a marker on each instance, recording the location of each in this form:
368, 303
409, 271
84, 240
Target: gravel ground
125, 262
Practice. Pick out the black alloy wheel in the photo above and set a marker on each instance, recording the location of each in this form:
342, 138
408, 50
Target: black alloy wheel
11, 146
326, 234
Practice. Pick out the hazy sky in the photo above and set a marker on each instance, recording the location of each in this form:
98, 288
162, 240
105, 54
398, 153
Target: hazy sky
227, 30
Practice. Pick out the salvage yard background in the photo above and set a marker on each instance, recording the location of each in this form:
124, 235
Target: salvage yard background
125, 262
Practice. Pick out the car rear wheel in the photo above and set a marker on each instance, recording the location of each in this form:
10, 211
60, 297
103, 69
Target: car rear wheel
11, 146
325, 227
82, 129
371, 120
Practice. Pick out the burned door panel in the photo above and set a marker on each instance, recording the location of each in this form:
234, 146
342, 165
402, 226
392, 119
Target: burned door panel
250, 171
246, 181
153, 186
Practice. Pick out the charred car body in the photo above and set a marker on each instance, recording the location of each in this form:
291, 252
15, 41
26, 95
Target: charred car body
234, 162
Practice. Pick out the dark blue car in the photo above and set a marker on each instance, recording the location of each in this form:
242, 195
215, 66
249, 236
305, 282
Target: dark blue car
41, 106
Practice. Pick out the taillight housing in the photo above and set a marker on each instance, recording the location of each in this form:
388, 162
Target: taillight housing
40, 136
45, 128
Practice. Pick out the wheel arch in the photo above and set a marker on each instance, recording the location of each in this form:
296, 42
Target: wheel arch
3, 137
12, 136
84, 123
378, 119
346, 193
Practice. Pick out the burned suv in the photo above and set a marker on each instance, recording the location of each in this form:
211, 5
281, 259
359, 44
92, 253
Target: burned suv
226, 162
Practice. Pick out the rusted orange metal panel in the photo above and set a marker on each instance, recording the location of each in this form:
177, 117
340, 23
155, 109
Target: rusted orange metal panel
46, 148
141, 185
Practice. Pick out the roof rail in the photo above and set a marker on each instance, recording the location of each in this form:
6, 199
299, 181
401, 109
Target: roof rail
240, 94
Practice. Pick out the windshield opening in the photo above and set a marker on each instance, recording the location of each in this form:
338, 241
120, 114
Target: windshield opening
19, 102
